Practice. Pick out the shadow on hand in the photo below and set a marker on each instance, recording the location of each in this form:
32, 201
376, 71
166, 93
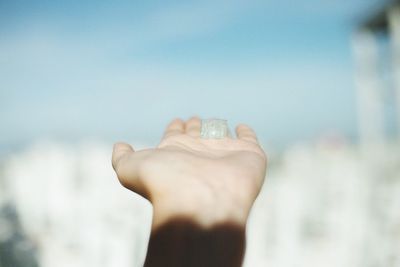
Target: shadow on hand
182, 243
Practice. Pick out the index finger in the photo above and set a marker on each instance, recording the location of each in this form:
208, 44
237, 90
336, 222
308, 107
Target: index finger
246, 133
175, 127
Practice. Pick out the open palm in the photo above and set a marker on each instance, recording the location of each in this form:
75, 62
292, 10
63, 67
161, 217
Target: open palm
217, 178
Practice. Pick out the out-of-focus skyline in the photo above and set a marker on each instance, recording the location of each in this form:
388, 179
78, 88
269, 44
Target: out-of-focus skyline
76, 76
121, 71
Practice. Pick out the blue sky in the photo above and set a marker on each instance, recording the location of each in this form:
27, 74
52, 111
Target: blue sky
121, 70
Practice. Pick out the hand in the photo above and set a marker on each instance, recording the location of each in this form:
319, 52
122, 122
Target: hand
206, 180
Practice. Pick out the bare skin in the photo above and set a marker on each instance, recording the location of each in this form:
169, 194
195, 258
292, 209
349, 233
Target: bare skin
209, 181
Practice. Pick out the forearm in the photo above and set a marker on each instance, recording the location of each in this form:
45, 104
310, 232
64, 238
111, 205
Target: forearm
184, 243
196, 232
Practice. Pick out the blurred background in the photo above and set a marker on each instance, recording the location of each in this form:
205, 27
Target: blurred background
318, 80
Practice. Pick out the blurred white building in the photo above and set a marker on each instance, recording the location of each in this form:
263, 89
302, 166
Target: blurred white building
377, 61
377, 54
322, 205
71, 205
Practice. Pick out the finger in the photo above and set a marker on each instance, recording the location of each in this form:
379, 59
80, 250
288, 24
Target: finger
120, 150
176, 126
193, 127
126, 164
245, 133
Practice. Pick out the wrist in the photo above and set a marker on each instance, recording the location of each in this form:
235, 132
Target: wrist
203, 210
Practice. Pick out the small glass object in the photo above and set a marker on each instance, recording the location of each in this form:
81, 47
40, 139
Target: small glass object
214, 129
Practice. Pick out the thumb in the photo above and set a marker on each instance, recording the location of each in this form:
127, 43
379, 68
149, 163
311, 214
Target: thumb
126, 163
120, 151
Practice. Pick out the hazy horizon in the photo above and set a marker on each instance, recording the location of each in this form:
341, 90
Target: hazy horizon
73, 71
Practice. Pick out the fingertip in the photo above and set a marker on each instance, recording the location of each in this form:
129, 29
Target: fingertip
194, 117
194, 120
193, 126
245, 132
176, 124
122, 145
177, 120
119, 150
175, 127
242, 126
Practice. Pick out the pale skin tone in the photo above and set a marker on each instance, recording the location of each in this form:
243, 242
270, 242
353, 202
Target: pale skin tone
210, 181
